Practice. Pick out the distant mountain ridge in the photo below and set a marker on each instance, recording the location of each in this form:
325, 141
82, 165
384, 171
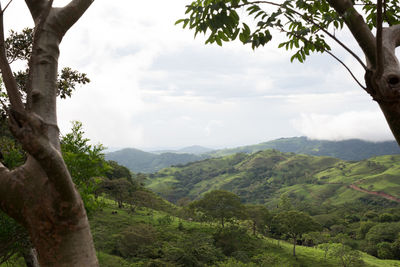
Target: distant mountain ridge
352, 149
189, 150
140, 161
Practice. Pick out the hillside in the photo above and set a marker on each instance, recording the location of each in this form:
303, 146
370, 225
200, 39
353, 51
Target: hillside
353, 149
156, 238
262, 177
146, 162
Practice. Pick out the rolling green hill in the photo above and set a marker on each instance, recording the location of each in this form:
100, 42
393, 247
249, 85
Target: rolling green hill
262, 177
352, 149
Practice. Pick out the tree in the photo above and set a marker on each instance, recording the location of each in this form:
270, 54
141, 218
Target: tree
310, 26
85, 163
119, 189
118, 171
259, 216
383, 232
347, 256
41, 195
294, 224
220, 204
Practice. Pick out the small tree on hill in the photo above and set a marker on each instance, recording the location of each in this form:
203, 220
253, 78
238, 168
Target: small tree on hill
120, 189
221, 205
347, 256
258, 215
295, 224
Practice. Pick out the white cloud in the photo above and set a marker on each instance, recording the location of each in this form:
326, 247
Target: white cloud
153, 85
367, 125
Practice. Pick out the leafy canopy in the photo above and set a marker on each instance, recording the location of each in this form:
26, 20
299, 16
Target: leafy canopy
306, 24
19, 48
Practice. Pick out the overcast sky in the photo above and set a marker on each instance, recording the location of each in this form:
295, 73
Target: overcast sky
155, 86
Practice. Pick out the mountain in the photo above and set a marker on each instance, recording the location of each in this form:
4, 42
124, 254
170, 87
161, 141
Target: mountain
139, 161
188, 150
352, 149
262, 177
195, 150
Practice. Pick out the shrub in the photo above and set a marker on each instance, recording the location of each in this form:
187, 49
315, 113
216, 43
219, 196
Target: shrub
196, 250
233, 239
385, 250
136, 240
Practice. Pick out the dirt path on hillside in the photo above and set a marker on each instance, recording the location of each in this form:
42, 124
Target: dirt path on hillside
381, 194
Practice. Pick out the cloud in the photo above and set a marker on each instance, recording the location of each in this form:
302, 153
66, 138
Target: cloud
367, 125
153, 85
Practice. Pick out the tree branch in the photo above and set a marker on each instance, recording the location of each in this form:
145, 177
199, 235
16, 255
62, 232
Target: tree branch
6, 72
332, 55
10, 198
9, 2
348, 69
36, 7
68, 15
308, 19
391, 36
379, 48
31, 131
358, 28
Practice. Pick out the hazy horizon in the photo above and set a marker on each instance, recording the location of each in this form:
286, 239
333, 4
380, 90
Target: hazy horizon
158, 149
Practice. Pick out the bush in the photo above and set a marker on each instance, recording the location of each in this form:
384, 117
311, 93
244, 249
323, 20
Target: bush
136, 240
165, 220
346, 255
268, 259
233, 239
235, 263
385, 251
386, 217
196, 250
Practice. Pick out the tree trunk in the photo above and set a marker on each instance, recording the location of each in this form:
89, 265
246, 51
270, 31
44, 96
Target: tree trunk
254, 228
40, 194
59, 230
382, 75
294, 246
222, 222
30, 257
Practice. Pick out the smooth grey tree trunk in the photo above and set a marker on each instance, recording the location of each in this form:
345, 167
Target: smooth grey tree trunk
40, 194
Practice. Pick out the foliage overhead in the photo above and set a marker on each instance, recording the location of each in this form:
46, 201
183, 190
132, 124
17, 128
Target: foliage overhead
19, 48
308, 25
